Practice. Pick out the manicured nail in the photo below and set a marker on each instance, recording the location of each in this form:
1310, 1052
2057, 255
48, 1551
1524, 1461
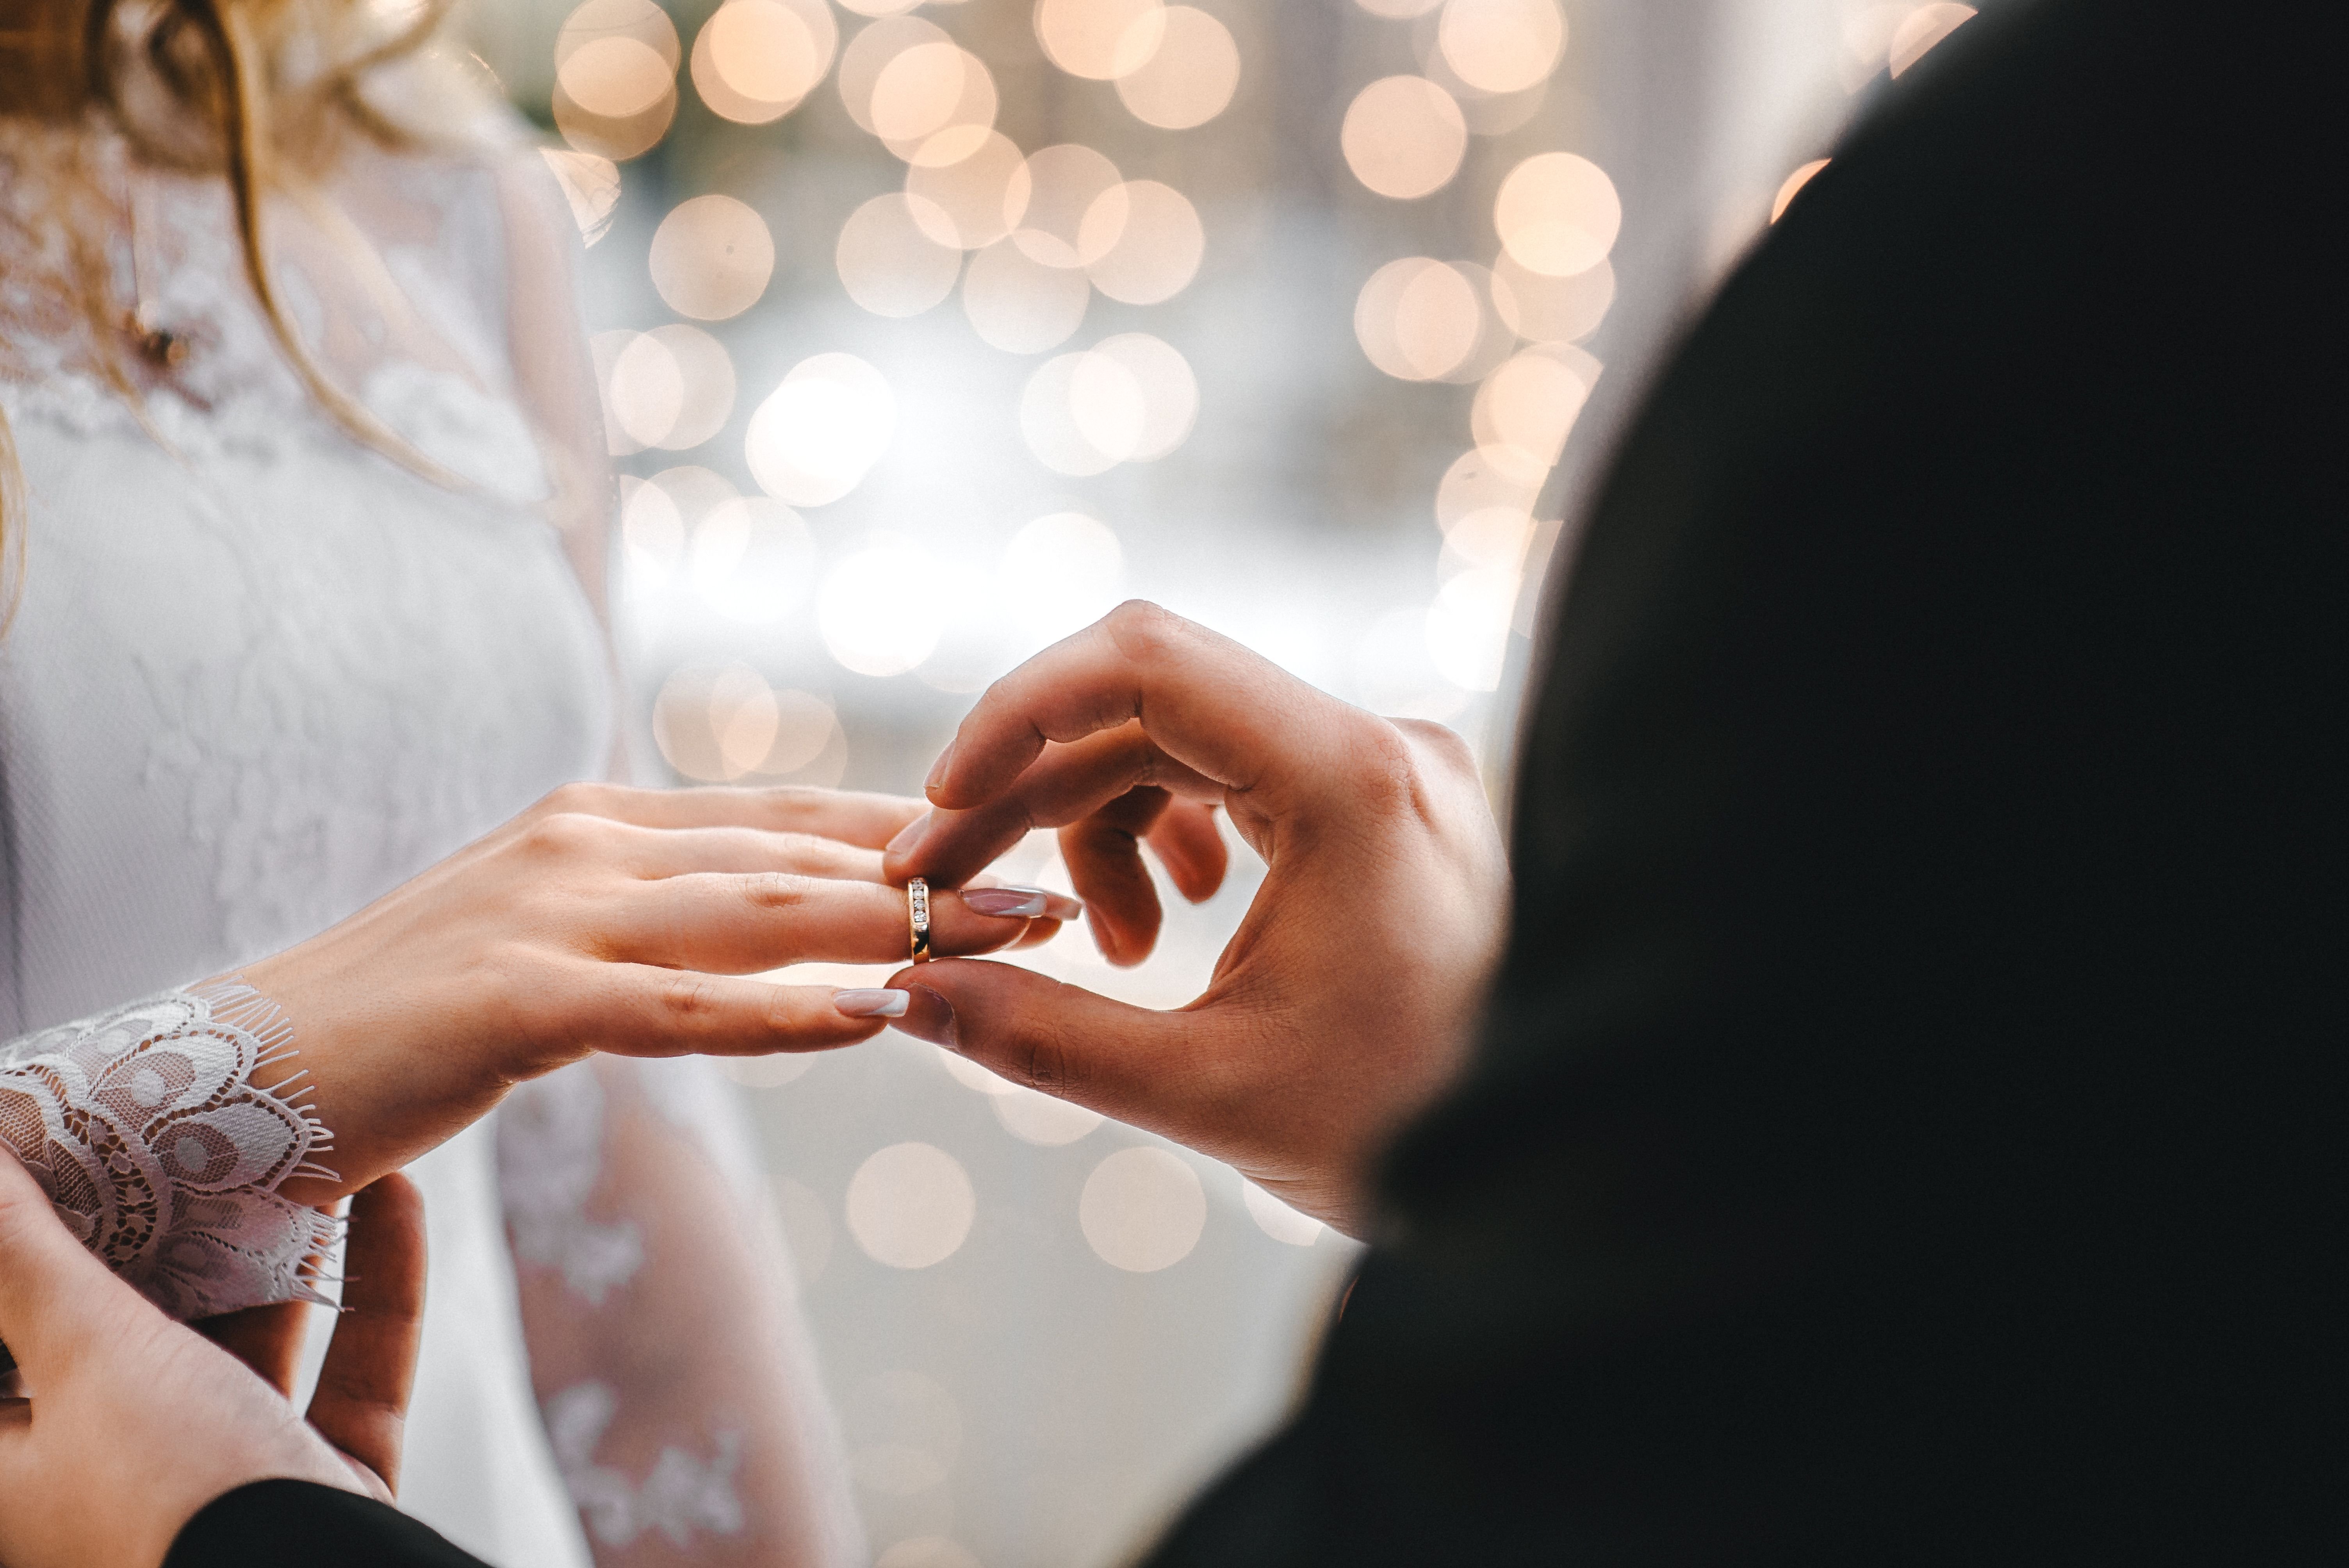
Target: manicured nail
870, 1004
930, 1019
938, 769
909, 835
1008, 903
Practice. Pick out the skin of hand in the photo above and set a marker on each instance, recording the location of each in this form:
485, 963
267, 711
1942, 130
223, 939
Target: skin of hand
1341, 1004
605, 919
135, 1422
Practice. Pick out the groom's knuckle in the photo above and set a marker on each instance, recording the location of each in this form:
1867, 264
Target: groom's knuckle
1141, 630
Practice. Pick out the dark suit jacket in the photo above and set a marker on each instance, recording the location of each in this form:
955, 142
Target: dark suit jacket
1899, 1130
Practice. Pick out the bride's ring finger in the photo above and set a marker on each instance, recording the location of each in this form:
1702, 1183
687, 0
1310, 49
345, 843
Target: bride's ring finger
743, 924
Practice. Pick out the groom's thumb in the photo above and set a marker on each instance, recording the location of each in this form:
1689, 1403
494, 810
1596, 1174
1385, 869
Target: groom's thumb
1141, 1067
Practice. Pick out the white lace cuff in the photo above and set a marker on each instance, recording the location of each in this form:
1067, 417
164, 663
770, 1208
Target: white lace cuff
148, 1131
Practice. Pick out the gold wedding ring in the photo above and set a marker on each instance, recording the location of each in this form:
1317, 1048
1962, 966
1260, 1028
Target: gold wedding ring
918, 915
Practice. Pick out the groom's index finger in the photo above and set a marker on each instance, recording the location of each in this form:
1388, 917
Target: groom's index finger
1208, 703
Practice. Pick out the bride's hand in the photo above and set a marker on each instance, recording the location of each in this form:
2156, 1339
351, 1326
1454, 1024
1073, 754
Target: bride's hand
605, 919
1339, 1007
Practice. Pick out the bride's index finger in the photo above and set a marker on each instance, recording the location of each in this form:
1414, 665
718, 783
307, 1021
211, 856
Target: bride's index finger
1228, 714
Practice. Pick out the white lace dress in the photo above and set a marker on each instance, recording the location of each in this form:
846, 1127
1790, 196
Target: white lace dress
259, 675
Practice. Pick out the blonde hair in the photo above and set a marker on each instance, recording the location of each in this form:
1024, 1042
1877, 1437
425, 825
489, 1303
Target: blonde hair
258, 91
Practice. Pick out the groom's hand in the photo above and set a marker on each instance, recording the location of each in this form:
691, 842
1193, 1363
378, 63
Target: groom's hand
1340, 1006
135, 1422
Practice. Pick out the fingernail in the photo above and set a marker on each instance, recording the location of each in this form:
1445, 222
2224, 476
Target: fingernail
909, 835
938, 769
870, 1004
1021, 903
930, 1019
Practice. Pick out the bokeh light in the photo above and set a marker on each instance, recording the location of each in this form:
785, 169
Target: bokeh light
888, 261
1142, 1210
1501, 46
1469, 627
1487, 477
727, 724
1067, 205
1018, 303
1100, 40
904, 1432
1793, 182
1041, 1120
711, 257
1061, 573
929, 88
1398, 10
963, 201
1557, 214
880, 608
1131, 398
872, 52
1403, 137
1540, 308
1190, 77
818, 433
910, 1205
1530, 404
1157, 246
753, 559
757, 60
643, 388
616, 64
1418, 319
1921, 29
1277, 1220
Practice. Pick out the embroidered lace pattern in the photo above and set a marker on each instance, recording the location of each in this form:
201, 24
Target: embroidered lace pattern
152, 1131
679, 1495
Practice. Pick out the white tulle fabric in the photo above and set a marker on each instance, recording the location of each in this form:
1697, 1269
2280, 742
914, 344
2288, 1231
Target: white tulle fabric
161, 1132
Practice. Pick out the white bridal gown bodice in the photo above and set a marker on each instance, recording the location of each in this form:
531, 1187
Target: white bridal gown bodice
259, 674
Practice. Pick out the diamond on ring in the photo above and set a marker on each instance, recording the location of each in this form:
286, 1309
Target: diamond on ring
918, 914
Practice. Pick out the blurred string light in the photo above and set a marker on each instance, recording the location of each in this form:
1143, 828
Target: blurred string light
672, 387
1403, 137
757, 60
1894, 36
888, 261
712, 257
1130, 398
1142, 1210
1793, 182
821, 431
1557, 214
616, 64
1189, 78
1021, 305
880, 608
727, 724
1500, 46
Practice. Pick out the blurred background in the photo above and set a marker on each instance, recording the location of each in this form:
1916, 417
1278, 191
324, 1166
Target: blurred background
926, 334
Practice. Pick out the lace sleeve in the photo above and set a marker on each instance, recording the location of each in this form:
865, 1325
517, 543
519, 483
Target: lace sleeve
161, 1132
679, 1386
